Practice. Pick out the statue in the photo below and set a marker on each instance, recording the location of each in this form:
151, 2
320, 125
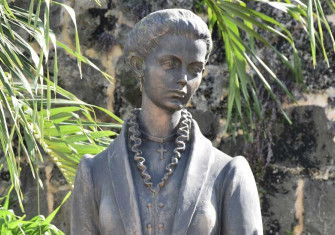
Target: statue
161, 175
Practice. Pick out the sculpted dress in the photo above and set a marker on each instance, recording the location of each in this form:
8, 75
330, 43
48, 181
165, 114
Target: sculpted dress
209, 193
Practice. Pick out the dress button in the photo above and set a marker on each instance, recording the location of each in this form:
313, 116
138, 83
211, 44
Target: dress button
161, 205
161, 226
149, 226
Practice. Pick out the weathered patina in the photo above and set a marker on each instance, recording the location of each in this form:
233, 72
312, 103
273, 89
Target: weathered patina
161, 175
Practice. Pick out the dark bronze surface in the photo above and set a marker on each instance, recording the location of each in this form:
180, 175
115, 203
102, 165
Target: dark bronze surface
207, 192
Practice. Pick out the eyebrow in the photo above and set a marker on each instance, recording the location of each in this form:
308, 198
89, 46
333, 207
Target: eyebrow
164, 57
198, 63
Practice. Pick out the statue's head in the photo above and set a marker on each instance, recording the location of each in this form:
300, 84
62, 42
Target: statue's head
168, 50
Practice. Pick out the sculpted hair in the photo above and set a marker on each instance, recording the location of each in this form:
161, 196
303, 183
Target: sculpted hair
146, 33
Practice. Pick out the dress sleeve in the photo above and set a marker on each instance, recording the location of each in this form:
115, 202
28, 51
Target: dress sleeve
84, 211
241, 207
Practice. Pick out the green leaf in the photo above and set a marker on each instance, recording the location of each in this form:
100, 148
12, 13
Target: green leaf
311, 31
50, 217
72, 14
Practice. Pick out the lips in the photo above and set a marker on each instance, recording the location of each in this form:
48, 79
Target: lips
178, 93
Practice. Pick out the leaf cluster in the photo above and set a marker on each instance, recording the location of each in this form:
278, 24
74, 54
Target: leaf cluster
11, 224
36, 115
242, 29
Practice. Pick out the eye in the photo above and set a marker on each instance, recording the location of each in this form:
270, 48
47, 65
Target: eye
168, 63
195, 68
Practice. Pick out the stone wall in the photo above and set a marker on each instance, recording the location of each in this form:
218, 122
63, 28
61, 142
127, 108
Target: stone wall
293, 164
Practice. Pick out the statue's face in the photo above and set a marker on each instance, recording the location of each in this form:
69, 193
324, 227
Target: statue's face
173, 71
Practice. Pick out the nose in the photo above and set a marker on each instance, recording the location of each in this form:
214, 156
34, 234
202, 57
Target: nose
183, 80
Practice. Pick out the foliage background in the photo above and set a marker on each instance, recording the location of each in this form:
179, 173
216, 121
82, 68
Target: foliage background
293, 164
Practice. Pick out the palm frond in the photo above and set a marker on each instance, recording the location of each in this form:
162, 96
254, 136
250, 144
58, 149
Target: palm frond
31, 113
240, 27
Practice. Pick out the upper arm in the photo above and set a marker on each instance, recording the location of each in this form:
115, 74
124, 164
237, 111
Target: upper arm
84, 211
241, 207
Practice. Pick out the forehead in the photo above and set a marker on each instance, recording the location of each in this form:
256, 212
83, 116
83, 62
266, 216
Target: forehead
183, 47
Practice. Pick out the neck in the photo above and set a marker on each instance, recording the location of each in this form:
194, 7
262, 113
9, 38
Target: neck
157, 121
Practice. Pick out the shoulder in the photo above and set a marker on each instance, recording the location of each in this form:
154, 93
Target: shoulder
239, 166
220, 159
238, 176
90, 166
221, 163
90, 161
230, 167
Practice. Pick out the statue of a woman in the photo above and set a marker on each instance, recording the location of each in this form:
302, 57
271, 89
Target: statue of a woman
161, 175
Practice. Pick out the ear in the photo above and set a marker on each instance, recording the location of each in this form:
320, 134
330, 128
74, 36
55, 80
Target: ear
137, 63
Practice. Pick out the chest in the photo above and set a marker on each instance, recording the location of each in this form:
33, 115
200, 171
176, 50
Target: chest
188, 204
160, 214
157, 210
